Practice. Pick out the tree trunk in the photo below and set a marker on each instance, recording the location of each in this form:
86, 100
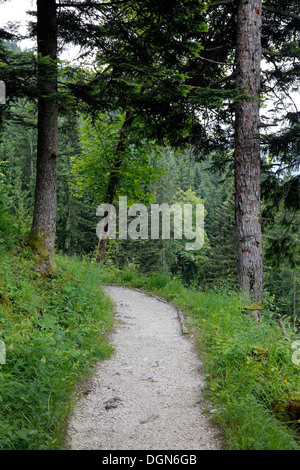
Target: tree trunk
247, 150
42, 236
114, 179
294, 300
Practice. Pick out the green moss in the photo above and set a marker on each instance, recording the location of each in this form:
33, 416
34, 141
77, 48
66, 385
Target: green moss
294, 406
280, 409
288, 411
45, 256
251, 307
259, 352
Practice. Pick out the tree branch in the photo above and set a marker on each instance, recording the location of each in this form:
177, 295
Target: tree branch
288, 14
212, 61
262, 124
221, 2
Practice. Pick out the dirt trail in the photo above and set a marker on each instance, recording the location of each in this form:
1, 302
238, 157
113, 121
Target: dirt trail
148, 394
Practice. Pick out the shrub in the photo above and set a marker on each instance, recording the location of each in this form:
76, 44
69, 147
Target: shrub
54, 330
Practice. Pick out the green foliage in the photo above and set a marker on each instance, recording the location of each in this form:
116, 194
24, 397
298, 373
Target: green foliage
158, 281
8, 222
95, 164
160, 62
76, 216
17, 168
283, 282
143, 49
18, 71
280, 211
167, 254
54, 330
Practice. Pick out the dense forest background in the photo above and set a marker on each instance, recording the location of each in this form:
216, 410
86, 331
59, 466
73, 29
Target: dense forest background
180, 176
155, 169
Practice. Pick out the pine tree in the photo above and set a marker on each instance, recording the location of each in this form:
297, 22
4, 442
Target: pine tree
247, 150
43, 230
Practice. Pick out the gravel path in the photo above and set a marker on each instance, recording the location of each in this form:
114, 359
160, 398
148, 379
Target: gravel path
148, 394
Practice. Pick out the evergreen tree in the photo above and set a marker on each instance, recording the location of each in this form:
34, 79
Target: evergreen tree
247, 150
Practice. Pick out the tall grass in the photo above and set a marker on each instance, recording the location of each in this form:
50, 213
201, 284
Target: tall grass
54, 330
242, 385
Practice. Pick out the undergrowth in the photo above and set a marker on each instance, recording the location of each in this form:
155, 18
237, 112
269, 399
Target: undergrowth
248, 366
54, 330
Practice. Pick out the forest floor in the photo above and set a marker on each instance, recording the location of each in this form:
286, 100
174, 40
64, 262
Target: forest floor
147, 396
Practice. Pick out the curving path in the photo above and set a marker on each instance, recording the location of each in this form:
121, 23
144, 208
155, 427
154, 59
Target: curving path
148, 394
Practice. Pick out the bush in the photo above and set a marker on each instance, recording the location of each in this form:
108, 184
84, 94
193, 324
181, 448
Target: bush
54, 330
248, 366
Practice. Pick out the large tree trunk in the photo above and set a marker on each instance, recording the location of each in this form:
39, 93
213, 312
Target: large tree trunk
114, 179
42, 237
247, 150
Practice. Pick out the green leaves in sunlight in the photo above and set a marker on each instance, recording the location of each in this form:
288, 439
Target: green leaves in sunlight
92, 168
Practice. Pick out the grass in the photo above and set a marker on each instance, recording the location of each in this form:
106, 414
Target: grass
54, 330
241, 383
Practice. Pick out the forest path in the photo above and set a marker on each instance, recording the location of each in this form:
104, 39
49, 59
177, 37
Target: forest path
148, 394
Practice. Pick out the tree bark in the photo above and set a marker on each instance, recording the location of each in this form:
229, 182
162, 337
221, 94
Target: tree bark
247, 150
42, 236
114, 179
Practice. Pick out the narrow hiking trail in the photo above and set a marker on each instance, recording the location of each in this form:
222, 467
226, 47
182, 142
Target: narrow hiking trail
148, 394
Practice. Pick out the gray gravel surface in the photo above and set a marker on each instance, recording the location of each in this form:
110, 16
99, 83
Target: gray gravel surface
148, 394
